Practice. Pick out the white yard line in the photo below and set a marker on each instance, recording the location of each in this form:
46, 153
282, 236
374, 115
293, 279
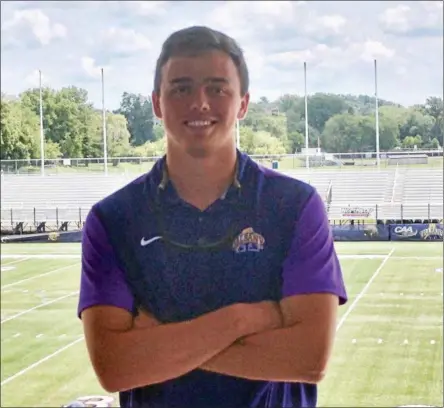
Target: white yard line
341, 322
37, 363
40, 256
38, 276
15, 262
355, 302
422, 258
37, 307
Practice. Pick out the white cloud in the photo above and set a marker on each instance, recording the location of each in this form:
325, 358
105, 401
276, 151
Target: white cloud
334, 22
125, 40
291, 58
147, 8
338, 40
90, 67
371, 50
241, 18
39, 24
334, 57
270, 8
432, 6
403, 19
401, 70
33, 79
396, 18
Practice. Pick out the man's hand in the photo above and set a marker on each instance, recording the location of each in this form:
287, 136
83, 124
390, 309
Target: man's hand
297, 352
262, 316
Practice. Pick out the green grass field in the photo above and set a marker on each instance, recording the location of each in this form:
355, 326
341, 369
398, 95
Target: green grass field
388, 351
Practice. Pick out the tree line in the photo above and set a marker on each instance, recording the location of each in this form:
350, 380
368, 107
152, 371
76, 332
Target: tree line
336, 123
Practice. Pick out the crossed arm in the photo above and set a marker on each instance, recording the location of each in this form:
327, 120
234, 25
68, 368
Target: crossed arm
297, 352
290, 341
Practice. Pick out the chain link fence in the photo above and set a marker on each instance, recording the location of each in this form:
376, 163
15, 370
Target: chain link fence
317, 160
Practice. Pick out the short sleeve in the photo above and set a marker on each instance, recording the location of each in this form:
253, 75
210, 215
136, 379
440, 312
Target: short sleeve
102, 280
312, 265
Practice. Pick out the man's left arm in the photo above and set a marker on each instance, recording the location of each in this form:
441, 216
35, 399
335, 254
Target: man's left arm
313, 289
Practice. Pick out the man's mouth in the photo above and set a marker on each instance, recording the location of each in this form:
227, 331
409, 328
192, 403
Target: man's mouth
197, 124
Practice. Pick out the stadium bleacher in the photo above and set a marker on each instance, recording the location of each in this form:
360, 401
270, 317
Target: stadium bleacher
395, 194
404, 193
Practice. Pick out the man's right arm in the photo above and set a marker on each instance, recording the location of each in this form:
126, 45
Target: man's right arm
126, 355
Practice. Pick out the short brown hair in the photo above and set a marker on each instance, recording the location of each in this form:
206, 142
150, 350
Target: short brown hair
197, 40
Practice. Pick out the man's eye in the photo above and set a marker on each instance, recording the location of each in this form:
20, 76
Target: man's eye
216, 90
181, 90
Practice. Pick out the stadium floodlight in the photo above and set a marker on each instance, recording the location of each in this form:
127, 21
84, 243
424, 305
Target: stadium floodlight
306, 116
42, 135
105, 155
377, 116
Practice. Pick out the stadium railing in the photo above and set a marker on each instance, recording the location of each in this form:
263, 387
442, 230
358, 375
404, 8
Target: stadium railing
72, 218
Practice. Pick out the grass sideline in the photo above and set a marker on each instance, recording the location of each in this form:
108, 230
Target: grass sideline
388, 351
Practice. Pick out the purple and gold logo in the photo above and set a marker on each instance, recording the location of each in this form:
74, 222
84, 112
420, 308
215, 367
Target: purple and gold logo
248, 241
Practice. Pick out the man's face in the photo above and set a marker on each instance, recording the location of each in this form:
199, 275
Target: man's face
199, 102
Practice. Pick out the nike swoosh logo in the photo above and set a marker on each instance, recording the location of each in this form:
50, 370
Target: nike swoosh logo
145, 242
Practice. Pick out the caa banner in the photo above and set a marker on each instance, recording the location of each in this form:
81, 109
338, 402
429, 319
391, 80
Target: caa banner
361, 232
416, 232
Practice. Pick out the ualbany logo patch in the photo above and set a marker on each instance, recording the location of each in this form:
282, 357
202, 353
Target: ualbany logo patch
53, 236
433, 232
248, 241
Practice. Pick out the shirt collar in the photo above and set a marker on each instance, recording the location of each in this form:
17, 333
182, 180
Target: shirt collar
160, 179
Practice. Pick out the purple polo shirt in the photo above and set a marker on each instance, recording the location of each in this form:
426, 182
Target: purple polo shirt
286, 248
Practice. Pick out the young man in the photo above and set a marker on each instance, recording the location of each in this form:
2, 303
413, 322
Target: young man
209, 277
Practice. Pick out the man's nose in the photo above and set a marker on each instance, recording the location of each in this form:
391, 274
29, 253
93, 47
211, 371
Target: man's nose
200, 100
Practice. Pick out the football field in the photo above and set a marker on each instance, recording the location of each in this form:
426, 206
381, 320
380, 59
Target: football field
388, 351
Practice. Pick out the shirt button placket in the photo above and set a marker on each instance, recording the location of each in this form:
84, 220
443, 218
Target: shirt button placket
200, 229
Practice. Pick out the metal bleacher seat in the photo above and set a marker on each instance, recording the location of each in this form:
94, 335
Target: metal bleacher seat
394, 193
404, 193
55, 197
351, 186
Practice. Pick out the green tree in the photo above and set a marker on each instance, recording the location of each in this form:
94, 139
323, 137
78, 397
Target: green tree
52, 150
434, 144
138, 112
66, 117
151, 149
322, 107
158, 131
19, 131
412, 141
93, 137
287, 102
434, 107
296, 142
117, 135
357, 133
260, 142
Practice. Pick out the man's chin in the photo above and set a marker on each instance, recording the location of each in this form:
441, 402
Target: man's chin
198, 152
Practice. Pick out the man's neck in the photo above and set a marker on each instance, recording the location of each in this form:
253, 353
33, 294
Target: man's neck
201, 181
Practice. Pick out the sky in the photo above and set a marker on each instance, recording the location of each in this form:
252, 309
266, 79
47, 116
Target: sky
71, 41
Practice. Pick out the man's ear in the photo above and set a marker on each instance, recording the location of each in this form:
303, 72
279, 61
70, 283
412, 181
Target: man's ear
244, 106
155, 99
